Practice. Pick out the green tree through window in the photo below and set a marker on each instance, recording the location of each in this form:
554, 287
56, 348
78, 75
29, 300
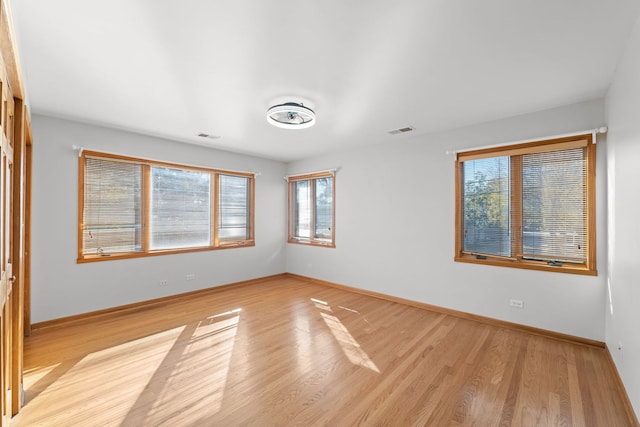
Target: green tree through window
486, 206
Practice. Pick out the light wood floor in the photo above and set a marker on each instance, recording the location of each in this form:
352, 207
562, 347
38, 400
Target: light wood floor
288, 352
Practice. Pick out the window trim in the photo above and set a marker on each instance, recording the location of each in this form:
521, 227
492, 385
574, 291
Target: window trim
146, 211
292, 238
516, 261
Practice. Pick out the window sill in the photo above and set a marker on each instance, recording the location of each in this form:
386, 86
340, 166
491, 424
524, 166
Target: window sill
530, 265
129, 255
311, 243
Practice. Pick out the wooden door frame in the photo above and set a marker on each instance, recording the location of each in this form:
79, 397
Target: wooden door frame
18, 256
21, 204
27, 171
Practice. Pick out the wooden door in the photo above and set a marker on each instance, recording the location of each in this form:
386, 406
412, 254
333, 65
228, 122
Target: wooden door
6, 251
14, 220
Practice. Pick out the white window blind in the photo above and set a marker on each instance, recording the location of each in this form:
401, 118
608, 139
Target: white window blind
234, 211
112, 207
554, 205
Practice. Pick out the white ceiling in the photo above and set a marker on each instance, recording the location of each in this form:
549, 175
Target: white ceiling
178, 68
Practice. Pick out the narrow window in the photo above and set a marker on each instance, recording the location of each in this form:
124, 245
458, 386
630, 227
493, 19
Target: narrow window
528, 205
234, 218
486, 195
554, 206
311, 209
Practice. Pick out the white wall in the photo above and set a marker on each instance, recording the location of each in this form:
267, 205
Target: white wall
405, 185
395, 228
623, 155
61, 287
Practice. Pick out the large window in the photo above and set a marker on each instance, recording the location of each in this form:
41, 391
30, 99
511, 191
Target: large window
528, 205
133, 207
311, 209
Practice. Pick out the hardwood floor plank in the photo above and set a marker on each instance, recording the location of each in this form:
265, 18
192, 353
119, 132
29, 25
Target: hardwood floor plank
286, 351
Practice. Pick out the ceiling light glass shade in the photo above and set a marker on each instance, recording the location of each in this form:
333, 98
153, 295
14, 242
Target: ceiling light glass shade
291, 115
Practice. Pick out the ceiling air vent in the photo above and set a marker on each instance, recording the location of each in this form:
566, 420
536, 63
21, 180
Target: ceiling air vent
206, 135
401, 130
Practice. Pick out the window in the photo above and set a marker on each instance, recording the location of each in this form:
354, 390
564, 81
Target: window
133, 207
180, 208
311, 209
233, 216
529, 205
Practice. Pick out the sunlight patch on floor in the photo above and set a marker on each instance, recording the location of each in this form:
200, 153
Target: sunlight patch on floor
178, 374
33, 376
195, 373
304, 340
84, 396
226, 313
322, 305
350, 346
349, 309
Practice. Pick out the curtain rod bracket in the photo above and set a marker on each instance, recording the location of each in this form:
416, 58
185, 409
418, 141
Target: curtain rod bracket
78, 149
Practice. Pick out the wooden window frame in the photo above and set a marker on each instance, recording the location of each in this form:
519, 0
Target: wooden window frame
313, 241
215, 242
516, 150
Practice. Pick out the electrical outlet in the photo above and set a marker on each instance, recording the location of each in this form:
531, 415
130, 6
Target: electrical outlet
517, 303
164, 282
191, 277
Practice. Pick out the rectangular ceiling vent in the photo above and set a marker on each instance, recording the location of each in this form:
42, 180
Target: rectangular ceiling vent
401, 130
206, 135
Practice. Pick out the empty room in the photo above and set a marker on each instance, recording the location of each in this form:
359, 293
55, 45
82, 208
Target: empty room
409, 213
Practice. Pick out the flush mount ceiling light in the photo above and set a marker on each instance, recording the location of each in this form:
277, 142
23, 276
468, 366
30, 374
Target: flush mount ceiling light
291, 115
